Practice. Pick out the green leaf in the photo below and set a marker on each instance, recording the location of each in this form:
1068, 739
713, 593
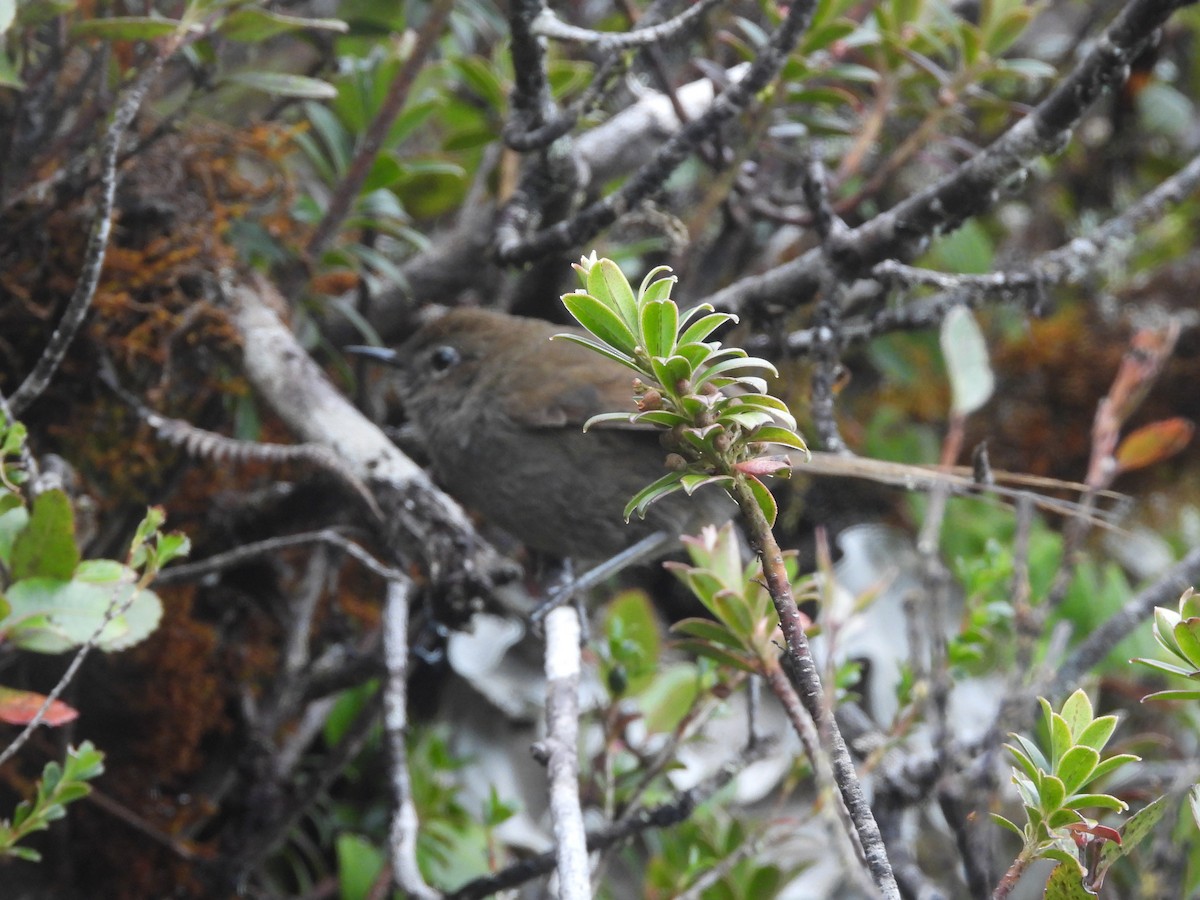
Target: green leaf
696, 354
1096, 735
602, 349
84, 762
602, 321
692, 482
12, 523
1168, 668
600, 418
669, 697
1031, 752
1003, 33
674, 373
704, 326
1060, 739
1165, 621
1186, 638
772, 404
1063, 817
171, 546
53, 616
483, 79
253, 24
1052, 791
607, 283
659, 321
1066, 883
967, 365
732, 365
1005, 823
1076, 767
660, 417
1111, 764
762, 496
126, 28
337, 141
46, 548
1175, 694
710, 631
718, 655
1077, 713
701, 582
284, 84
745, 419
651, 290
1137, 827
1093, 801
641, 501
851, 72
773, 434
359, 864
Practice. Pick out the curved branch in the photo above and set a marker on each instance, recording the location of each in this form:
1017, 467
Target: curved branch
549, 25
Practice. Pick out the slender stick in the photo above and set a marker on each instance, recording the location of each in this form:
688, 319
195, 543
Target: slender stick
810, 690
562, 738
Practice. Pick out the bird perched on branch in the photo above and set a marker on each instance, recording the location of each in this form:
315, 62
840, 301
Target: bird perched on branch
500, 408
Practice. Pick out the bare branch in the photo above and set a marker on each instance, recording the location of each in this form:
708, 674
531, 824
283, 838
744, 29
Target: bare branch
547, 24
560, 748
85, 288
403, 835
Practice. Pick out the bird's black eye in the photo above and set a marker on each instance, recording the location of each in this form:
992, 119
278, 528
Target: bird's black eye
444, 357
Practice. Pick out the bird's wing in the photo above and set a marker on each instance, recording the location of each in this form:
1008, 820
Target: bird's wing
573, 385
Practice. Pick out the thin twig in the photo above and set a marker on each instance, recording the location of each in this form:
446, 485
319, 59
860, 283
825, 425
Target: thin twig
547, 24
85, 288
247, 552
560, 749
402, 839
811, 693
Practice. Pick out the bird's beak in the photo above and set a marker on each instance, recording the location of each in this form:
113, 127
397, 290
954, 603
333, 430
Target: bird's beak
378, 354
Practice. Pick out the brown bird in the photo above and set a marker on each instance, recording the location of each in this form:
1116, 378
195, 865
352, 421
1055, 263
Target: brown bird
500, 408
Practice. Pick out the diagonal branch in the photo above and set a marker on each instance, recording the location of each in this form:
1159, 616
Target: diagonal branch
975, 186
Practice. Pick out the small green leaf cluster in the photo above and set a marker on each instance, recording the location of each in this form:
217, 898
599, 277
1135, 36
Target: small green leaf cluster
59, 785
52, 600
706, 844
719, 418
743, 635
1051, 781
1179, 634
